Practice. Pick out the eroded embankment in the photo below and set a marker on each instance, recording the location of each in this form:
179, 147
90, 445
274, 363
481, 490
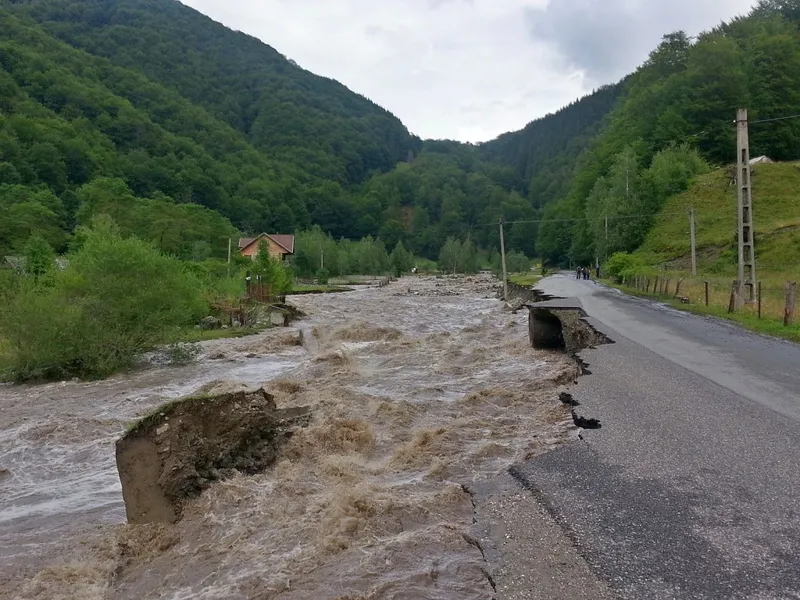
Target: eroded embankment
560, 324
417, 391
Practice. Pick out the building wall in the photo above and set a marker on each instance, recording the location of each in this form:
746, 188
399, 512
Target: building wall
275, 251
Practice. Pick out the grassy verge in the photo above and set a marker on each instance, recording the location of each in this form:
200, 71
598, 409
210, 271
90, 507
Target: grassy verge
769, 324
526, 279
298, 290
191, 335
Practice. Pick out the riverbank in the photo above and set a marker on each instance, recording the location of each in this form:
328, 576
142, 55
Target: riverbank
419, 391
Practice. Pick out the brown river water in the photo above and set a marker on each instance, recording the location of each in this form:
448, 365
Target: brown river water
419, 390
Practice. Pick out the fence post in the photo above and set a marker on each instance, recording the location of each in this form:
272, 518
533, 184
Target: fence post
706, 293
678, 287
734, 297
788, 311
759, 298
655, 285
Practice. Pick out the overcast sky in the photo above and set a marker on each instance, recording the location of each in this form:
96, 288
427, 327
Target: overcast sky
468, 69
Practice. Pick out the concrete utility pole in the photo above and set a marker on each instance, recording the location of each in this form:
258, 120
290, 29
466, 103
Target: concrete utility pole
606, 244
503, 259
229, 257
694, 245
747, 253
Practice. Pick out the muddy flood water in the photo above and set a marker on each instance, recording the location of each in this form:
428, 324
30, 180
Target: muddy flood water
419, 390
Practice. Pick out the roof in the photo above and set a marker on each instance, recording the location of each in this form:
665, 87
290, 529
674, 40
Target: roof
760, 159
284, 241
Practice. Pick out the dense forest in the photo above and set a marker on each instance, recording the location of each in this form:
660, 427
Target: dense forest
187, 133
674, 119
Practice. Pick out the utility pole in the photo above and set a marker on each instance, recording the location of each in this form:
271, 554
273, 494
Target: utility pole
694, 245
229, 257
503, 259
747, 254
605, 249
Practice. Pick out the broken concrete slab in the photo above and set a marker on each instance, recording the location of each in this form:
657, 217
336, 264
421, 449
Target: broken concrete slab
182, 447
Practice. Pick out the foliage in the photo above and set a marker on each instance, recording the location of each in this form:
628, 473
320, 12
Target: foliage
517, 262
315, 250
622, 264
674, 117
543, 154
458, 257
182, 353
272, 272
322, 276
776, 213
117, 298
39, 257
402, 260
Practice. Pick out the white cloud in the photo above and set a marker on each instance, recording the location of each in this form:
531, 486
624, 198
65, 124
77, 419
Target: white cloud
465, 69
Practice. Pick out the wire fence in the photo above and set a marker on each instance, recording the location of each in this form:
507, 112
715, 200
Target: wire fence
771, 299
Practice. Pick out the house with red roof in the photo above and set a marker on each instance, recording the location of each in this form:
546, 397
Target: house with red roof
279, 245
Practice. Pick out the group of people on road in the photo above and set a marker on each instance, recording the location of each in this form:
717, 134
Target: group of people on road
586, 273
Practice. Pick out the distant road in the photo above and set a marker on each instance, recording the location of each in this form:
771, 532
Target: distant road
691, 488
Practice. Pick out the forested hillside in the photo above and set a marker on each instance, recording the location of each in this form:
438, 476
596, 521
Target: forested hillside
184, 131
282, 109
544, 153
675, 120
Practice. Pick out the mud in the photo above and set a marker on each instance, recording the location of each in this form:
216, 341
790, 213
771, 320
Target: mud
181, 448
418, 391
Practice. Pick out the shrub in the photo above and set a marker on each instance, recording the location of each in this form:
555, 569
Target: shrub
322, 276
622, 264
116, 299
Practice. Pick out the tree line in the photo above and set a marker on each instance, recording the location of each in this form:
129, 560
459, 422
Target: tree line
675, 118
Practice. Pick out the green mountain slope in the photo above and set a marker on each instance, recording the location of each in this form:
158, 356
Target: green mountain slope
545, 151
677, 109
282, 109
776, 213
114, 108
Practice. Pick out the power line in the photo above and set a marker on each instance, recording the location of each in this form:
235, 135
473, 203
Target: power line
774, 119
575, 220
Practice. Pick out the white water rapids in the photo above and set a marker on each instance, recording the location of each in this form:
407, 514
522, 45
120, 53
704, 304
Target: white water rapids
416, 389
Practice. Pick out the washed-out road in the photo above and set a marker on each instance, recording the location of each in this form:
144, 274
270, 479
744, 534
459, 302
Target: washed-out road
691, 487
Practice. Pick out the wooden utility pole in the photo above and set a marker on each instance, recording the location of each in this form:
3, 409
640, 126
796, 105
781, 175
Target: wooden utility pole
694, 246
747, 256
788, 311
503, 260
229, 257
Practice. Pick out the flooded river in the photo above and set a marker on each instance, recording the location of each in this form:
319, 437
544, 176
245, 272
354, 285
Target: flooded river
419, 390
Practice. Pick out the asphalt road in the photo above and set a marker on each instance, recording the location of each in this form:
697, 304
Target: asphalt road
691, 487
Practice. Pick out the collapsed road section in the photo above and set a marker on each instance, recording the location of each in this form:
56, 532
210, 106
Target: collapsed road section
689, 489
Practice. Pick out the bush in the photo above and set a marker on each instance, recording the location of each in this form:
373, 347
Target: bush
322, 276
622, 264
116, 299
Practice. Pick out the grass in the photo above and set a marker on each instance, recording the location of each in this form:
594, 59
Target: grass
771, 322
191, 335
299, 289
524, 279
776, 215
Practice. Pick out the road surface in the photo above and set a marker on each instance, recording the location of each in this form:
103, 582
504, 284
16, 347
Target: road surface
691, 487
